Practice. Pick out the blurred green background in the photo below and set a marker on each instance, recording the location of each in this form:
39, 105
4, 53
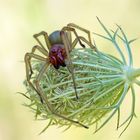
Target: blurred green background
19, 20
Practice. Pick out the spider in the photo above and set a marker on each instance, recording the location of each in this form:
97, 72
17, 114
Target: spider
59, 45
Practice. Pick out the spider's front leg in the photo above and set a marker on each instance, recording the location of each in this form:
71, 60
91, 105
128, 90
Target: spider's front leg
29, 56
29, 71
69, 64
46, 38
73, 25
89, 41
66, 28
40, 49
74, 43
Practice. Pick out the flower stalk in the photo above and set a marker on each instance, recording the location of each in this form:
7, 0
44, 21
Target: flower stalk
132, 73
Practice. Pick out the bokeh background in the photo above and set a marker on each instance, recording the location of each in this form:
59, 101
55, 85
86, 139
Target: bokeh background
19, 20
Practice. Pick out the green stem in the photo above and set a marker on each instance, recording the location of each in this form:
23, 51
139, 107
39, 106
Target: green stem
132, 73
136, 73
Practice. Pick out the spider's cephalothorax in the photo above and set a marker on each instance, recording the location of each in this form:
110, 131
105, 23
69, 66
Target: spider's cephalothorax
57, 52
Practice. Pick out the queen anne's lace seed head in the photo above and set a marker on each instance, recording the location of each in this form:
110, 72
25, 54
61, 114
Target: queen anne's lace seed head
102, 82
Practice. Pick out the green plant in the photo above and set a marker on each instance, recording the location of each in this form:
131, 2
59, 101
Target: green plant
102, 83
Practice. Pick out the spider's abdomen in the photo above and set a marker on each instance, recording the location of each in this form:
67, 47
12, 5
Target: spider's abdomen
57, 55
55, 38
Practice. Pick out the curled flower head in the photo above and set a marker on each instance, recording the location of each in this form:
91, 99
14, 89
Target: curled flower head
102, 82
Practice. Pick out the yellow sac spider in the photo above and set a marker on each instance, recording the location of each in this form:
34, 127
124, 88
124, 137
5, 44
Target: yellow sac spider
59, 44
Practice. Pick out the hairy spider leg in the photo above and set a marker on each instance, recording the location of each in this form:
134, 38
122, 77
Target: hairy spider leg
83, 39
27, 60
28, 57
69, 36
40, 49
84, 30
92, 46
66, 28
69, 62
38, 79
68, 47
46, 38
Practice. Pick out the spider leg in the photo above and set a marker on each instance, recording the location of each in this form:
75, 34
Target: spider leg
29, 71
45, 37
73, 25
66, 28
69, 63
69, 36
44, 52
84, 40
40, 75
89, 42
37, 47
